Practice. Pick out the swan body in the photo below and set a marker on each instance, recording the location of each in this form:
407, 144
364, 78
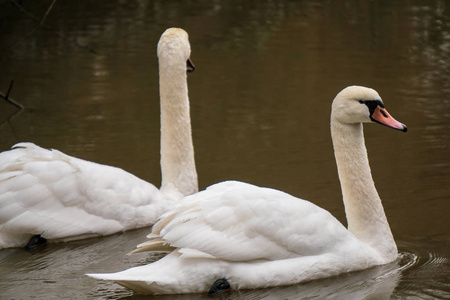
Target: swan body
60, 197
256, 237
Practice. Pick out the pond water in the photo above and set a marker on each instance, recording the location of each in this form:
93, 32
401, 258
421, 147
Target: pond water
266, 74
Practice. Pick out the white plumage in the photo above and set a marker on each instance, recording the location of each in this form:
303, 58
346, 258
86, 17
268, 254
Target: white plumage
48, 193
258, 237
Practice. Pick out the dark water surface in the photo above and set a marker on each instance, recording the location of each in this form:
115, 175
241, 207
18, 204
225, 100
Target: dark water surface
266, 74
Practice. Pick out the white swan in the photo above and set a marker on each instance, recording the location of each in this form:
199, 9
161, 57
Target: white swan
48, 193
245, 236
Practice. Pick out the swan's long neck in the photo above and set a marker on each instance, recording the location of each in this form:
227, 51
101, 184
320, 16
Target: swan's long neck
365, 214
179, 175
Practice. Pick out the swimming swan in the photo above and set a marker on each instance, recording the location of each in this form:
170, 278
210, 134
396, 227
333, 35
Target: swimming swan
59, 197
242, 236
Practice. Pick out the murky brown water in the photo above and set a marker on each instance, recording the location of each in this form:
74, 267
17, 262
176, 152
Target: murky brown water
267, 72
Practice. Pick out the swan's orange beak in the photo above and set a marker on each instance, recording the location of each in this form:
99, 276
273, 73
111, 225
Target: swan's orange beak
381, 115
190, 65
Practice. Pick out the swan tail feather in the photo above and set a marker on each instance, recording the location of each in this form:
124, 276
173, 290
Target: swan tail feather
163, 221
138, 286
157, 244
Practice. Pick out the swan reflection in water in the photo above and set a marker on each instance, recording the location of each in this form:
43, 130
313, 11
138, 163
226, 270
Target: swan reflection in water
378, 282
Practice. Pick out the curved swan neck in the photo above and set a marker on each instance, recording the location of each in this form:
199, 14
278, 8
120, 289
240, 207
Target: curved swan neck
365, 214
178, 172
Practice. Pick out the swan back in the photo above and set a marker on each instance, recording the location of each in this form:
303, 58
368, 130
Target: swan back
65, 198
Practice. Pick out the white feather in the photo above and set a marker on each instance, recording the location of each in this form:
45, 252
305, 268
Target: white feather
62, 198
258, 237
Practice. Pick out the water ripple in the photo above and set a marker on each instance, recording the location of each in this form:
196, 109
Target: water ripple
425, 270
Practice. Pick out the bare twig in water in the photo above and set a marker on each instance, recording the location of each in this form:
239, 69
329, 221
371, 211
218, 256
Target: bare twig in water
43, 18
11, 101
6, 97
41, 24
35, 28
10, 88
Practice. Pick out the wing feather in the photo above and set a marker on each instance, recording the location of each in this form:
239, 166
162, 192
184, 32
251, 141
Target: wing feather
240, 222
47, 191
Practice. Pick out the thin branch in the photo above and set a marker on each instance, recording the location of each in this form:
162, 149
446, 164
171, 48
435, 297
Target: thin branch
11, 101
35, 28
43, 19
10, 88
41, 24
48, 10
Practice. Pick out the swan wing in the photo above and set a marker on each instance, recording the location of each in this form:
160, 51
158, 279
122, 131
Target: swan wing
50, 193
254, 237
235, 221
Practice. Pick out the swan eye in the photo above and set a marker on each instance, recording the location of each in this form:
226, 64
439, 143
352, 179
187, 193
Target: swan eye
362, 101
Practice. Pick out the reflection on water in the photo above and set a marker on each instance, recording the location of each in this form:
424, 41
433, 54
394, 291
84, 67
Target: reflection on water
57, 270
260, 97
431, 265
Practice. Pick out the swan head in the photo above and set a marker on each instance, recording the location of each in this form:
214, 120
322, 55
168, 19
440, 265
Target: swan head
357, 104
174, 49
